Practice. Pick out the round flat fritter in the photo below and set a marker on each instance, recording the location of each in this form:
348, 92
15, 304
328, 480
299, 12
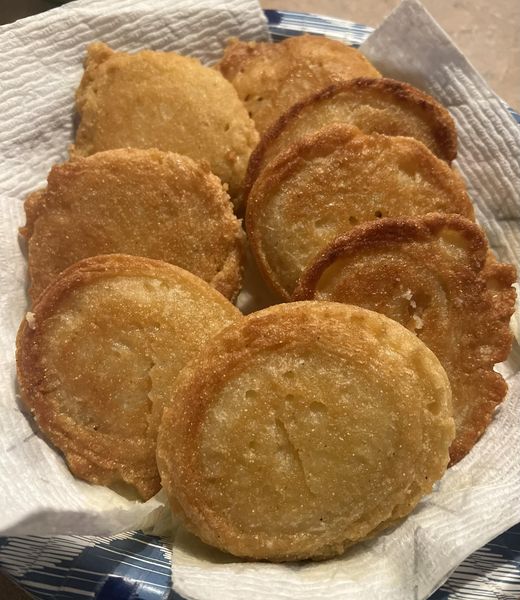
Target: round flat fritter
269, 78
435, 276
373, 105
98, 356
166, 101
331, 181
140, 202
304, 428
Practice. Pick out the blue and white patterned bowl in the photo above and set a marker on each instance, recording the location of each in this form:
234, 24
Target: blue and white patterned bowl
134, 566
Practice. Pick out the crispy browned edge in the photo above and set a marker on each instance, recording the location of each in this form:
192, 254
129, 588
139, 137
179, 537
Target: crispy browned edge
257, 331
443, 126
34, 205
423, 229
321, 143
235, 54
227, 279
30, 373
96, 54
238, 52
381, 233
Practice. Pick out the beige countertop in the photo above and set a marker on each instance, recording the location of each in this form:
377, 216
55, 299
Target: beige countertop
488, 32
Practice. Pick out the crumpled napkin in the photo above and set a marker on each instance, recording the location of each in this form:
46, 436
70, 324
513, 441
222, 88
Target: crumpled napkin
42, 60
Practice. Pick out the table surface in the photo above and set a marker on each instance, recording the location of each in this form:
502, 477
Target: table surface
488, 33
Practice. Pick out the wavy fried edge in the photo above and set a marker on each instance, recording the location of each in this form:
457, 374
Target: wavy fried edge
228, 278
327, 140
238, 52
255, 333
497, 278
34, 205
97, 53
439, 119
85, 462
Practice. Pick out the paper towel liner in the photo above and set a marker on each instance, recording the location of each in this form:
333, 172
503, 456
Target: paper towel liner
476, 500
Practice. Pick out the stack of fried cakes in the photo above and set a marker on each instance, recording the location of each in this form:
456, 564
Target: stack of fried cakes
304, 428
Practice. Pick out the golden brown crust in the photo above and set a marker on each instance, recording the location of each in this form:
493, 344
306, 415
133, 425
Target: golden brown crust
98, 356
436, 276
166, 101
269, 78
141, 202
288, 439
369, 104
331, 181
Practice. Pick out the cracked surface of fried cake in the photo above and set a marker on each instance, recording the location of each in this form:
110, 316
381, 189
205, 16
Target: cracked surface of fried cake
304, 428
99, 354
333, 180
435, 276
140, 202
167, 101
269, 78
373, 105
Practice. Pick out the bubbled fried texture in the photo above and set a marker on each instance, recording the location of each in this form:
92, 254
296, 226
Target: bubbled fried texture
269, 78
435, 276
332, 181
304, 428
166, 101
98, 359
378, 105
141, 202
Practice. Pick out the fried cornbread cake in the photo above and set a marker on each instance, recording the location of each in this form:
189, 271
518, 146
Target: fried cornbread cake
270, 78
140, 202
333, 180
436, 276
98, 356
302, 429
373, 105
166, 101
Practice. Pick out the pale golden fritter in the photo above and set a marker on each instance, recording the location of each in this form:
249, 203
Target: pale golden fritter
303, 429
166, 101
98, 356
331, 181
270, 78
141, 202
373, 105
435, 276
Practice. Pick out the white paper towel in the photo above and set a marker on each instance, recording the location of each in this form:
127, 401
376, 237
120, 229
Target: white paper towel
41, 67
476, 500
